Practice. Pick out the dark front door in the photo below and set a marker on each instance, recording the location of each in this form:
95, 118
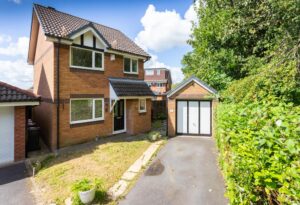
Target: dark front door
119, 116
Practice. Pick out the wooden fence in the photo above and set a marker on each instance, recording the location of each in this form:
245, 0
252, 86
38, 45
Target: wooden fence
159, 110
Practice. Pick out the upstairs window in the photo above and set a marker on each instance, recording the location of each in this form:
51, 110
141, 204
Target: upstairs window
149, 72
130, 65
86, 59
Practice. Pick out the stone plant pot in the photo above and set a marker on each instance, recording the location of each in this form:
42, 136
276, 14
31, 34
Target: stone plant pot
87, 196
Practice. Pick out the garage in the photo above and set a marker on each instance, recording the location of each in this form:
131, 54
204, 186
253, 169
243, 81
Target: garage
7, 134
193, 117
14, 102
190, 108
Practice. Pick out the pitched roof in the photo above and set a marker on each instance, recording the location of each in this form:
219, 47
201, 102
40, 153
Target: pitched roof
62, 25
9, 93
187, 81
129, 87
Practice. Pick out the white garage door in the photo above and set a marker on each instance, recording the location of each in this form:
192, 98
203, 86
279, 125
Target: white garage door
6, 134
193, 117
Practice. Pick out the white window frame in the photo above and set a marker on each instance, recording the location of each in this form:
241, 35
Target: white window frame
149, 74
158, 72
131, 59
93, 59
145, 110
93, 118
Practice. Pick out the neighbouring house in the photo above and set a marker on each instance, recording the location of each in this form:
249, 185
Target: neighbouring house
190, 108
159, 80
14, 107
90, 78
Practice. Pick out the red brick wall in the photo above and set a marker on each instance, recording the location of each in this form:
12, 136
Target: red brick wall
159, 89
20, 122
43, 85
155, 76
138, 122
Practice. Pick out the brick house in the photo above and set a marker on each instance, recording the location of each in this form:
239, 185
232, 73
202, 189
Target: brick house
159, 80
13, 114
90, 78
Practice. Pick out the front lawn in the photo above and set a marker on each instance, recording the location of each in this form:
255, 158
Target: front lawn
106, 159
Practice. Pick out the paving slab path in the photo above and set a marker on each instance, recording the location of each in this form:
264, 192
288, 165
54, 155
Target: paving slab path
185, 172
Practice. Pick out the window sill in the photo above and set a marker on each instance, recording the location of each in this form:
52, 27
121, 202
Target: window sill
142, 112
130, 73
76, 69
80, 124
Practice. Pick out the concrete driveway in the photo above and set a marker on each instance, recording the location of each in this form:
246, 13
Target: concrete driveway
15, 185
184, 172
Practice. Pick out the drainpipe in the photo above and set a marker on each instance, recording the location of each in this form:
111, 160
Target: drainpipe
57, 94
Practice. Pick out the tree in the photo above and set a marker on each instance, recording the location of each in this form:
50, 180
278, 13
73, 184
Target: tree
233, 39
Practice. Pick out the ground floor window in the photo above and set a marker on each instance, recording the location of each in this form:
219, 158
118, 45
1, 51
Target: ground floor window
142, 105
86, 110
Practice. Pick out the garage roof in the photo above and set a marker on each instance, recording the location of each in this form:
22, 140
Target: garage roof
130, 87
186, 82
9, 93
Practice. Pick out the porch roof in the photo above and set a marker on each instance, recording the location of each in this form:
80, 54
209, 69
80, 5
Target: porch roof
124, 87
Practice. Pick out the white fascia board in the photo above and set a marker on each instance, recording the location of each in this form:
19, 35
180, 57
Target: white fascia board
87, 30
7, 104
112, 96
56, 40
112, 93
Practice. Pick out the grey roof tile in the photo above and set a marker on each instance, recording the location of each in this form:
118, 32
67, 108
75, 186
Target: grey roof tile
9, 93
129, 87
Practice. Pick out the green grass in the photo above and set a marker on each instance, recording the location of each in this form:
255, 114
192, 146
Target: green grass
106, 161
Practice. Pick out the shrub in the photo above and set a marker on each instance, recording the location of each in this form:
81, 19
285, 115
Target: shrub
154, 136
259, 148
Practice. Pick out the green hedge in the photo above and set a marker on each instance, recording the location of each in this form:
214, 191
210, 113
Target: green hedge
259, 146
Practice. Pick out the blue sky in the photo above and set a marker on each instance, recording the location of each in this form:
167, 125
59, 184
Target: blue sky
161, 27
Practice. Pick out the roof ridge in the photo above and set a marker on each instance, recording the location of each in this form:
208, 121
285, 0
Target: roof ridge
26, 92
89, 21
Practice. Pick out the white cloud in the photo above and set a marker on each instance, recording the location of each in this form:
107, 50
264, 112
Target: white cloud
165, 29
14, 68
176, 72
4, 39
16, 1
19, 48
190, 14
17, 73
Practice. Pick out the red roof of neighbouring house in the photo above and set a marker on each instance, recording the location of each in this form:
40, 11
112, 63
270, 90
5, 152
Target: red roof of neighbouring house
9, 93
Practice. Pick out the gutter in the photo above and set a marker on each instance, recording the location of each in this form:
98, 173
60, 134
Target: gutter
57, 94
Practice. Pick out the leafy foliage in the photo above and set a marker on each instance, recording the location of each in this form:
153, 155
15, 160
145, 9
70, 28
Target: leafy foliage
260, 151
277, 81
233, 39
